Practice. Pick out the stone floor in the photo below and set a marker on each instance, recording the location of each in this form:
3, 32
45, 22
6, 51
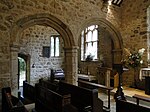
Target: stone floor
104, 98
129, 92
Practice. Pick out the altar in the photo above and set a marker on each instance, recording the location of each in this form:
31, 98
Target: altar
145, 74
89, 78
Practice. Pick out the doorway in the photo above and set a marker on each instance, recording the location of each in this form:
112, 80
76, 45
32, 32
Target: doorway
22, 69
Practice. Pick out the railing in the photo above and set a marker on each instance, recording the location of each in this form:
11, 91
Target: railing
139, 97
94, 85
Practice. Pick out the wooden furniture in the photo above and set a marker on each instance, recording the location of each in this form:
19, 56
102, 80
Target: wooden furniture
82, 98
106, 76
52, 85
50, 101
11, 103
90, 85
125, 106
28, 96
145, 76
147, 85
144, 72
140, 97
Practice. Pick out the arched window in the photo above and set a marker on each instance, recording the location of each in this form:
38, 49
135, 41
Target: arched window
89, 43
54, 47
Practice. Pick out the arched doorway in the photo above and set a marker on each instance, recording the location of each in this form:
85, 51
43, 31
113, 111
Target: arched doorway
22, 68
45, 47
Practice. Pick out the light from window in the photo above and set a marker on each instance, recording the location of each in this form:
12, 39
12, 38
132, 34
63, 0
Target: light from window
57, 47
54, 45
89, 42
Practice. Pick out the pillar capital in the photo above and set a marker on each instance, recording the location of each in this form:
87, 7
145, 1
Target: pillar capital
14, 48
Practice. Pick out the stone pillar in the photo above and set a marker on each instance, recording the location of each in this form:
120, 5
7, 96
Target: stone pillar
14, 69
71, 65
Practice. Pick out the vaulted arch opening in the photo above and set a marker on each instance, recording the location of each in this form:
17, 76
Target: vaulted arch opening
44, 20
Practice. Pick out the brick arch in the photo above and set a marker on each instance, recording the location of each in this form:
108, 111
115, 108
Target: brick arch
115, 35
41, 19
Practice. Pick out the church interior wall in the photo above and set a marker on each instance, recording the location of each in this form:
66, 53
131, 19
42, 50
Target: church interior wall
129, 20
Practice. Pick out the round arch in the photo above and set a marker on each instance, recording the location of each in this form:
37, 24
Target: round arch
115, 36
41, 19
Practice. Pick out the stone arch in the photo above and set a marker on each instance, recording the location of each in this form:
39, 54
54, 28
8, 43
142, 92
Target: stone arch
116, 36
41, 19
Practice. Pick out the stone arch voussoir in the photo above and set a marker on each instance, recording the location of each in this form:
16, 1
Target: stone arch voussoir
41, 19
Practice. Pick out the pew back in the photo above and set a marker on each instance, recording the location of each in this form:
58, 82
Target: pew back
82, 97
48, 84
48, 100
11, 103
124, 106
28, 91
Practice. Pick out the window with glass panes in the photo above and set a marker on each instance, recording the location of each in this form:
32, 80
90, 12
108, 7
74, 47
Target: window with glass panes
89, 42
55, 42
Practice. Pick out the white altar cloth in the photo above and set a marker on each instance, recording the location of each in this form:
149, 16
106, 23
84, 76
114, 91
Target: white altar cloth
87, 77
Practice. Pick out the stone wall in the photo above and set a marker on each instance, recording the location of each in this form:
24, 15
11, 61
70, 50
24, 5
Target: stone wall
105, 47
130, 20
73, 13
33, 39
134, 30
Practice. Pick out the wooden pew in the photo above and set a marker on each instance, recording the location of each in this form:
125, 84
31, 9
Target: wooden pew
50, 101
28, 96
50, 85
11, 103
143, 98
82, 98
91, 85
125, 106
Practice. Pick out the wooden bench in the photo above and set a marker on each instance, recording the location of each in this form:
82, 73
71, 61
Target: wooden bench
140, 97
86, 100
50, 85
50, 101
91, 85
11, 103
125, 106
28, 96
82, 98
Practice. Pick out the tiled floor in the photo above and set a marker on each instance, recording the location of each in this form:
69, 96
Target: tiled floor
129, 92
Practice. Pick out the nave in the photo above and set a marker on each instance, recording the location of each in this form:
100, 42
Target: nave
128, 92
